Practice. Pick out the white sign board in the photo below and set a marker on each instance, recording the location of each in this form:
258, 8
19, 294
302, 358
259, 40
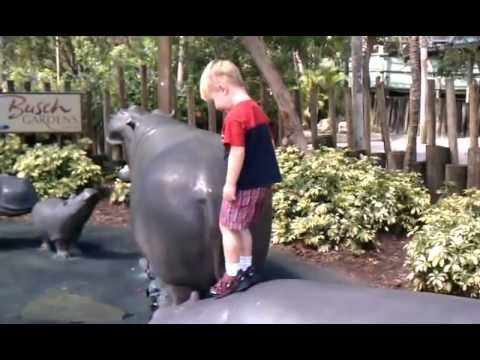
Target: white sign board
40, 112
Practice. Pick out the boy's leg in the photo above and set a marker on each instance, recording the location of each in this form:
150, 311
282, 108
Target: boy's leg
232, 247
246, 249
228, 284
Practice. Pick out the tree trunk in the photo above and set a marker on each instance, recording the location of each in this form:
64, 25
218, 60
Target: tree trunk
165, 74
143, 70
430, 117
212, 117
348, 115
107, 110
292, 128
332, 116
191, 106
180, 65
423, 87
452, 119
121, 87
414, 108
382, 116
367, 45
358, 130
473, 126
117, 149
314, 116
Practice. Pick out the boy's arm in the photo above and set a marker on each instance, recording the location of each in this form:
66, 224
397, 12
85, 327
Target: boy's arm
235, 163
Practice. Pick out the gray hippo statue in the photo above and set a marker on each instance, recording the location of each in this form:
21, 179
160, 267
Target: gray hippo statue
294, 301
177, 173
17, 196
60, 222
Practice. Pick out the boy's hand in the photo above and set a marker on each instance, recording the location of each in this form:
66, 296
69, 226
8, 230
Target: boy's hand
229, 191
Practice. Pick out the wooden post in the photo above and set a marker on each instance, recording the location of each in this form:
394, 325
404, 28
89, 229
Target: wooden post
280, 129
395, 160
89, 122
164, 74
117, 150
452, 120
348, 115
67, 86
463, 124
212, 117
191, 106
457, 176
406, 118
473, 126
473, 177
121, 87
313, 108
298, 105
261, 90
438, 113
436, 157
357, 95
382, 117
332, 116
10, 86
366, 118
430, 112
143, 73
107, 110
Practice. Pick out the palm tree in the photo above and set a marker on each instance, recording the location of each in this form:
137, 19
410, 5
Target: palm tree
411, 151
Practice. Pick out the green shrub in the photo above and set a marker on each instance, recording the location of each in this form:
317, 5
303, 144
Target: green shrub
11, 146
444, 254
120, 192
58, 171
328, 200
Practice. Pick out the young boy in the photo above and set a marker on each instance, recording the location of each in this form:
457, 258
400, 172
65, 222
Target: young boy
251, 171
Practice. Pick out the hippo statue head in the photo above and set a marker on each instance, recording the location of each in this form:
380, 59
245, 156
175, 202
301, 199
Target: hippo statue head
131, 123
122, 124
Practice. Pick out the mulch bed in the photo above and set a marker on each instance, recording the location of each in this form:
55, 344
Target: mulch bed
381, 268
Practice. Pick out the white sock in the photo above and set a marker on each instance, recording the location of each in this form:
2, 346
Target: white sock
232, 268
245, 262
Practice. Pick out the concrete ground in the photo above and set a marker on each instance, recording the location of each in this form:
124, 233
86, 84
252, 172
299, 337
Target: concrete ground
106, 285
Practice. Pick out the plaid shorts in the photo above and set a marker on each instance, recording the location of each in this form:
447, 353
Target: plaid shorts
245, 209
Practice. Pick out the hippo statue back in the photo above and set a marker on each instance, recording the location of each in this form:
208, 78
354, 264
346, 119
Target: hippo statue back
177, 173
17, 196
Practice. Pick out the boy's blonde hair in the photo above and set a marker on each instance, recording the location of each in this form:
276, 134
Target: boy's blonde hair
218, 70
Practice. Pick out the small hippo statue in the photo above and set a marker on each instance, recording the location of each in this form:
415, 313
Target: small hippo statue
61, 222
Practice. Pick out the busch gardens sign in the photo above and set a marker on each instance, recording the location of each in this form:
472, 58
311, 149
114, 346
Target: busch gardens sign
40, 112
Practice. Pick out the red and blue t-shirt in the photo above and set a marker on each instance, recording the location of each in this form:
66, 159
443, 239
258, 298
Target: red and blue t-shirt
247, 125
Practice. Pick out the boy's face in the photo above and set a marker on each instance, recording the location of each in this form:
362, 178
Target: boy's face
220, 95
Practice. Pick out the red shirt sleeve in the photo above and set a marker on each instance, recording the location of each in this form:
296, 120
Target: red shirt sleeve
234, 131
